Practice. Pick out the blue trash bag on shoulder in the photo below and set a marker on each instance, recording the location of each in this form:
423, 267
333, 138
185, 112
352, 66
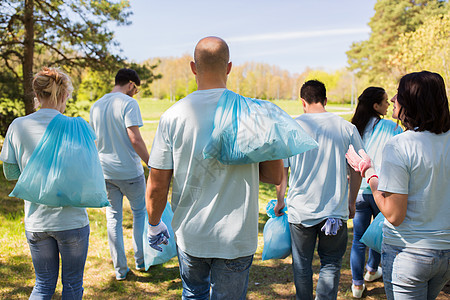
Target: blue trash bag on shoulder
64, 168
249, 130
277, 236
373, 236
154, 257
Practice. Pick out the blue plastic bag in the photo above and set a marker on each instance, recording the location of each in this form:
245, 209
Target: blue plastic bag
64, 169
154, 257
277, 236
249, 130
373, 237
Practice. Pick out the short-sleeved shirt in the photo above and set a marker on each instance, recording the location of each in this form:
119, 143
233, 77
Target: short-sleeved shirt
374, 138
110, 117
418, 164
318, 185
22, 137
215, 206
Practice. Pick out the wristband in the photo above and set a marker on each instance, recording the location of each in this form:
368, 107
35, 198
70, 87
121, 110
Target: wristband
374, 175
154, 225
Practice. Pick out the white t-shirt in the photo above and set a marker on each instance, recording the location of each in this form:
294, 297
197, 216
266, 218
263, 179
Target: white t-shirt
215, 206
418, 164
110, 117
318, 185
22, 137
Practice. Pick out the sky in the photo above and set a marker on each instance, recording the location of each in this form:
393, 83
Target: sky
292, 35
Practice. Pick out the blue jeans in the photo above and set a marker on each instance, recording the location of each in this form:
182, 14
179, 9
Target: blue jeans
217, 278
331, 249
413, 273
134, 190
46, 248
365, 209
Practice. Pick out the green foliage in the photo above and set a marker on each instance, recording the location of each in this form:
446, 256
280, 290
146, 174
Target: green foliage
391, 19
330, 80
93, 86
72, 34
428, 48
9, 110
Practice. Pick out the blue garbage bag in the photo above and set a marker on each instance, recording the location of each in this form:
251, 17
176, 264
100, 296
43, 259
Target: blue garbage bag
64, 169
373, 236
154, 257
277, 236
249, 130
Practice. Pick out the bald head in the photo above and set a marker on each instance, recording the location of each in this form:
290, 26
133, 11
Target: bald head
211, 55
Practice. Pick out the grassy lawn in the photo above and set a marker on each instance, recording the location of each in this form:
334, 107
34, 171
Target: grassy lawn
270, 279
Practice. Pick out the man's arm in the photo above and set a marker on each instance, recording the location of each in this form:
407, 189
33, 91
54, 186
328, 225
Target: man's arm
156, 194
138, 143
281, 192
11, 171
354, 183
271, 171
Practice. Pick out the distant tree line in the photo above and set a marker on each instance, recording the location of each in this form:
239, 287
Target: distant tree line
257, 80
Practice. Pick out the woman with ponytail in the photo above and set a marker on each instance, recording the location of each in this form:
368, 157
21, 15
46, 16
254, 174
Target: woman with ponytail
52, 232
413, 190
375, 132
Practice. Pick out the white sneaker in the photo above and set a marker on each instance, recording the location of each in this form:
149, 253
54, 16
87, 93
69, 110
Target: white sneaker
372, 277
357, 293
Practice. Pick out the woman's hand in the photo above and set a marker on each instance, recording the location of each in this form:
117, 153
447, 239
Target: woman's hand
360, 163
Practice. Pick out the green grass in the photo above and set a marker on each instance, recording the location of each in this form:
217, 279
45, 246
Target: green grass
270, 279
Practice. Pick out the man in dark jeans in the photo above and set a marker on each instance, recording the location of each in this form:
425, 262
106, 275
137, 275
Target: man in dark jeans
319, 201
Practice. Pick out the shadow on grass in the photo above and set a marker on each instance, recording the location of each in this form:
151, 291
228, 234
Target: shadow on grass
12, 208
158, 278
16, 273
270, 282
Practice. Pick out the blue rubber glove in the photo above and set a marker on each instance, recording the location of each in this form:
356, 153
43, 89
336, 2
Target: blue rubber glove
157, 235
332, 226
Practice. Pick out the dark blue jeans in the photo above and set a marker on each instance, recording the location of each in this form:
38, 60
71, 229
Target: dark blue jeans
366, 208
331, 249
215, 278
46, 248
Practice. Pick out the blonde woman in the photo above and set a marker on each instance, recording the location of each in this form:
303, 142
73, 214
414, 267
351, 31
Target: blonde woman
52, 232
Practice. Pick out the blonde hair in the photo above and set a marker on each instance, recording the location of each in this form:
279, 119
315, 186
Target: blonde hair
52, 84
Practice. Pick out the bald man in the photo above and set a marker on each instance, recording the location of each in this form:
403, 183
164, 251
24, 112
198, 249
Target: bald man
215, 206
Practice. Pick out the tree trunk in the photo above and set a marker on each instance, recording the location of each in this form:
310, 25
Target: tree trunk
27, 63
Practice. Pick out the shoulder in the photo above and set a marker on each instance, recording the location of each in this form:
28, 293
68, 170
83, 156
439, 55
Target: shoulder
389, 124
402, 141
22, 121
176, 111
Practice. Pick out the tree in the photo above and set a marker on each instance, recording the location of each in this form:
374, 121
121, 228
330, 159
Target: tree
391, 19
69, 33
427, 48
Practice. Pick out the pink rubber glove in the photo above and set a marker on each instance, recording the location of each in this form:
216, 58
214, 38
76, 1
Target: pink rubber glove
359, 163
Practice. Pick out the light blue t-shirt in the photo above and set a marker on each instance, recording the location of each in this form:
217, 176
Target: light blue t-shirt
318, 185
22, 137
374, 139
110, 117
418, 164
215, 206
